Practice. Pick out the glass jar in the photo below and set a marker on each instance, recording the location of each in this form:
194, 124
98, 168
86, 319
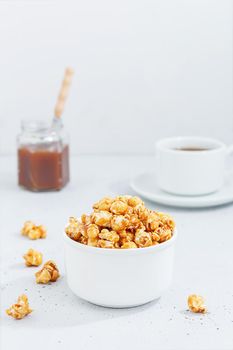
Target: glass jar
43, 156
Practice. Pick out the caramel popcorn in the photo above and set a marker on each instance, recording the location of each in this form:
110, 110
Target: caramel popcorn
134, 201
103, 204
128, 245
119, 207
27, 227
32, 231
143, 238
121, 222
196, 304
92, 242
85, 219
102, 218
111, 236
92, 231
20, 309
48, 273
105, 244
73, 230
32, 258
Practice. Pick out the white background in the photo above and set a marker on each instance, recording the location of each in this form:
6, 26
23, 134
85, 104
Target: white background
144, 70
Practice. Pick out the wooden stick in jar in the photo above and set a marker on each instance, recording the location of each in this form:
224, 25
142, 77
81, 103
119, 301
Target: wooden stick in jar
63, 92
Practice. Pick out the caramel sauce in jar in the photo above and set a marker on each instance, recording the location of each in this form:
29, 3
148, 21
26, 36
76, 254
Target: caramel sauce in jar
43, 163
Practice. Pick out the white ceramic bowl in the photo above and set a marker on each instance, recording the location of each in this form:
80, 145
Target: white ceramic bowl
119, 277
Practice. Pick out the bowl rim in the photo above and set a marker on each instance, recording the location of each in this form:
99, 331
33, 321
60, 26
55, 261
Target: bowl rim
129, 251
161, 144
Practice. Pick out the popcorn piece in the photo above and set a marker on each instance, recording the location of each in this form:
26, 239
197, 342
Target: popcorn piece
83, 240
73, 229
143, 238
102, 243
37, 232
155, 236
196, 304
134, 221
20, 309
124, 198
48, 273
166, 220
142, 212
92, 231
119, 223
165, 234
130, 211
153, 221
119, 207
32, 258
92, 242
32, 231
111, 236
85, 219
83, 230
27, 227
129, 245
103, 204
134, 201
102, 218
126, 236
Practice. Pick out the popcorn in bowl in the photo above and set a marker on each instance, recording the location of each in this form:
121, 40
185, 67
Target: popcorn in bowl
121, 222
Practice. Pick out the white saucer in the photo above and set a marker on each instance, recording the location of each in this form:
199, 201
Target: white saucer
145, 185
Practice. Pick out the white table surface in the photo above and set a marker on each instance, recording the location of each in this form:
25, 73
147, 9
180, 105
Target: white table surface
60, 320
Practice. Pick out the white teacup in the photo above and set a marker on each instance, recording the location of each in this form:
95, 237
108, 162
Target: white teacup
191, 165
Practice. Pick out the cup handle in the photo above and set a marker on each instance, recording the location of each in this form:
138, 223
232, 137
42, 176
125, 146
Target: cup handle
229, 150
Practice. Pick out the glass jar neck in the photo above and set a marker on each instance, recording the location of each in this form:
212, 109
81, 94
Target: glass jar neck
35, 126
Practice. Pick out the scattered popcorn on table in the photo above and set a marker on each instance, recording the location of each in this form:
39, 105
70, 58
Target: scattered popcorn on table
48, 273
32, 231
33, 258
121, 222
20, 309
196, 304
